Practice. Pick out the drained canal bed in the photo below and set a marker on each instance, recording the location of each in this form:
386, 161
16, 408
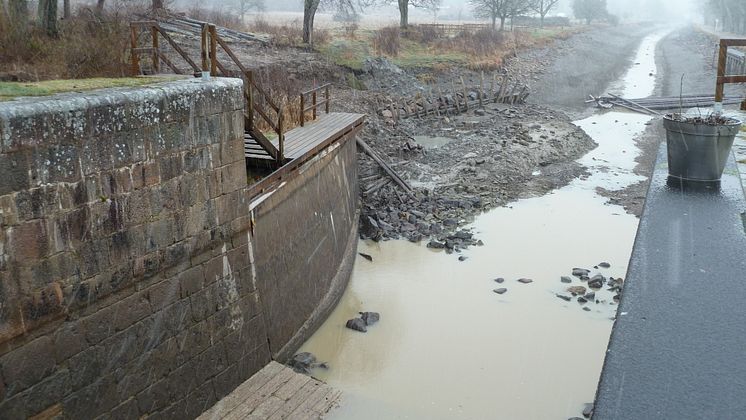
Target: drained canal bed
448, 346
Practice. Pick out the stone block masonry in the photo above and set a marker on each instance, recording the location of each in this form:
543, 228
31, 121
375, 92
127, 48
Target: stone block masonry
126, 285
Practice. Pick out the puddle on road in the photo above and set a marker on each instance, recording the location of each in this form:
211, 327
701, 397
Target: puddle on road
447, 347
429, 142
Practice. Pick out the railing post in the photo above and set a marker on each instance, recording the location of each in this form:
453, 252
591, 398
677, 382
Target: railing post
328, 99
281, 138
720, 87
203, 48
313, 101
135, 55
302, 110
213, 50
250, 97
156, 59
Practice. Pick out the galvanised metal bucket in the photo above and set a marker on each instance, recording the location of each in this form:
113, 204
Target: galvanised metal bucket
698, 152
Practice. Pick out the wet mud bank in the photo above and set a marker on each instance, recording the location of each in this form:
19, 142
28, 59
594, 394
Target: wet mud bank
467, 164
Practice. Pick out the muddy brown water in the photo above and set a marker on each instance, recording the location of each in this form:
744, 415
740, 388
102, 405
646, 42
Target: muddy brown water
447, 346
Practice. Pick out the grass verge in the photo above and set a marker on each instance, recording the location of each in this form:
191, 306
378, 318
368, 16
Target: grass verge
10, 90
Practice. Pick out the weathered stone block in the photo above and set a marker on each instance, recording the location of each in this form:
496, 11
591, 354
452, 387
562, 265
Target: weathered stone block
57, 163
163, 294
126, 410
197, 160
97, 155
27, 365
191, 281
28, 241
15, 168
170, 166
204, 303
199, 400
36, 203
233, 176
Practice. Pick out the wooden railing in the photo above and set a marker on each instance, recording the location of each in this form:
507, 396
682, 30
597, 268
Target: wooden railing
722, 78
259, 104
315, 104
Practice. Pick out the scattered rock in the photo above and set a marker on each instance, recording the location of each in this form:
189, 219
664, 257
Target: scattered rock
500, 291
565, 279
500, 280
356, 324
565, 298
604, 265
463, 258
370, 318
590, 296
588, 410
580, 272
577, 290
587, 309
582, 300
525, 281
436, 245
366, 256
596, 282
303, 363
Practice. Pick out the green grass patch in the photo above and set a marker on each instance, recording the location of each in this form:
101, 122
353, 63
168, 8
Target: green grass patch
10, 90
415, 55
350, 53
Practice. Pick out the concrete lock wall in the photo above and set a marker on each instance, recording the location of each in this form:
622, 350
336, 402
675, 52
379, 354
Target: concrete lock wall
127, 282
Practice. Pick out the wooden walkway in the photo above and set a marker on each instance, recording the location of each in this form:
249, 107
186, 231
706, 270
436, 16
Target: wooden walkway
307, 139
276, 392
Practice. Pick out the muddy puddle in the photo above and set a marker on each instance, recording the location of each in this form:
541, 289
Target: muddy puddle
447, 346
430, 142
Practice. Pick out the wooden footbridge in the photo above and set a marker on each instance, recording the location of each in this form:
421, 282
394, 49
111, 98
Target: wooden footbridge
269, 140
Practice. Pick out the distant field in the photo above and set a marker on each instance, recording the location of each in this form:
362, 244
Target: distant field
9, 90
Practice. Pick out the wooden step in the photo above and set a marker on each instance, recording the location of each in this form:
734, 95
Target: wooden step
253, 150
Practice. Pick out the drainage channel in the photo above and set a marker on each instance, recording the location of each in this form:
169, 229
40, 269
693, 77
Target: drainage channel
447, 347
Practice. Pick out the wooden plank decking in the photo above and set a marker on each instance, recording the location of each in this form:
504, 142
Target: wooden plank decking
276, 392
302, 140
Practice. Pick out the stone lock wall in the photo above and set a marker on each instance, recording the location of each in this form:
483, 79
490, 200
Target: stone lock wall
137, 279
125, 285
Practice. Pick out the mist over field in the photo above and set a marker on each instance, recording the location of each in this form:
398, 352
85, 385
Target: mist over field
676, 11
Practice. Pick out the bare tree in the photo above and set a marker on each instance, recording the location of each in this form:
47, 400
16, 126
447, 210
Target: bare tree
310, 7
47, 17
589, 10
244, 6
498, 9
18, 12
404, 9
542, 7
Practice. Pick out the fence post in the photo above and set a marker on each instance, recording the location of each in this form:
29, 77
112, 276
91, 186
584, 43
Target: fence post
281, 138
203, 47
328, 99
213, 50
314, 104
135, 55
250, 97
156, 59
302, 110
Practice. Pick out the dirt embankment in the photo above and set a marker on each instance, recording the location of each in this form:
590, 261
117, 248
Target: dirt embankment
463, 165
